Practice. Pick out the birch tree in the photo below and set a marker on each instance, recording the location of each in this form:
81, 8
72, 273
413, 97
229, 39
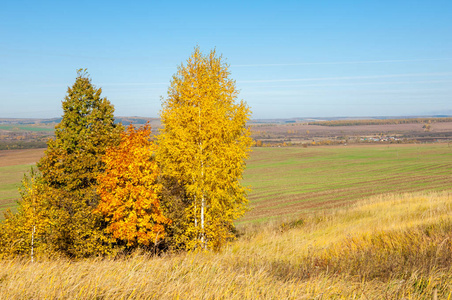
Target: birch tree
24, 232
203, 144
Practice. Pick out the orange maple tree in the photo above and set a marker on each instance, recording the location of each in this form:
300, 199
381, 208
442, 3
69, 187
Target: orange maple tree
129, 190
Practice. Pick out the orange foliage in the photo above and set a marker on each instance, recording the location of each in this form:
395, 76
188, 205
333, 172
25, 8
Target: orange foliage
129, 190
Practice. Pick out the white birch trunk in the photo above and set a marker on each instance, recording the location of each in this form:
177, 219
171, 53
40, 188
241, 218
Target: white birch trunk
32, 243
203, 201
203, 204
196, 216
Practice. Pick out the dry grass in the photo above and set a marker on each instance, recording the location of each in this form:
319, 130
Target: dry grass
390, 247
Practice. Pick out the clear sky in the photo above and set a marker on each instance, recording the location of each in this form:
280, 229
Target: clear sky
289, 58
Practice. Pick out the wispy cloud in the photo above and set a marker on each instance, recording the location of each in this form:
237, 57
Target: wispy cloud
342, 62
357, 83
348, 77
132, 83
108, 84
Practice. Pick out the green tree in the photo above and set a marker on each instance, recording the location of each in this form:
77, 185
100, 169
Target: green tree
72, 163
203, 144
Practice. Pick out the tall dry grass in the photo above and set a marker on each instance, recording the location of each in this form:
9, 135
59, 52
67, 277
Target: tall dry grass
389, 247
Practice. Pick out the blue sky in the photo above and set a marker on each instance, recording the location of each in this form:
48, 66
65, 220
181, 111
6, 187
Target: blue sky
289, 58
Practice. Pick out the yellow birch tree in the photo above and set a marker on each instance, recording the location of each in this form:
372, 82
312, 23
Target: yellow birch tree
25, 232
203, 144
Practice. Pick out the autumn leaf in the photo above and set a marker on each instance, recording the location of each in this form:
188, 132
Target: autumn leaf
203, 144
129, 190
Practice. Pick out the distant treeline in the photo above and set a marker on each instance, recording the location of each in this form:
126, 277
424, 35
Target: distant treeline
380, 122
14, 145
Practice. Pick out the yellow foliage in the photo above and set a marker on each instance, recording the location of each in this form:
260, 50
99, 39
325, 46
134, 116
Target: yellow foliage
258, 143
203, 144
25, 231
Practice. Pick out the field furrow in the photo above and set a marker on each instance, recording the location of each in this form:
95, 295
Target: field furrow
288, 181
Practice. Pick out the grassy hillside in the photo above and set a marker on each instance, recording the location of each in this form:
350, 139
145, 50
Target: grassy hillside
288, 181
10, 178
20, 127
387, 247
13, 165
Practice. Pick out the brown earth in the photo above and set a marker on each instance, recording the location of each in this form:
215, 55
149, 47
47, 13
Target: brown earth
316, 129
20, 157
302, 132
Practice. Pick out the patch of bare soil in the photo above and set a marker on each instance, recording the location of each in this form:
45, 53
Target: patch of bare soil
20, 157
309, 131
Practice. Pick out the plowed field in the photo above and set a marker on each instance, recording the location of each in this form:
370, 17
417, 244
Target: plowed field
291, 181
13, 165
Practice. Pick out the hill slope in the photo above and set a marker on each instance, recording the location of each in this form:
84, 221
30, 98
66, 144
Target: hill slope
388, 247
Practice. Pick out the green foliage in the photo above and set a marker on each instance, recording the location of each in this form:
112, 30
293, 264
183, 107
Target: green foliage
72, 163
13, 145
174, 203
65, 193
73, 159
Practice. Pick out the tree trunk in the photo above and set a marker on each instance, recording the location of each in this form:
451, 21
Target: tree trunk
203, 200
32, 243
203, 204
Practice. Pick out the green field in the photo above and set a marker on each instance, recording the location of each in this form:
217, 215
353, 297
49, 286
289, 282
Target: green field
398, 245
26, 128
10, 181
290, 181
